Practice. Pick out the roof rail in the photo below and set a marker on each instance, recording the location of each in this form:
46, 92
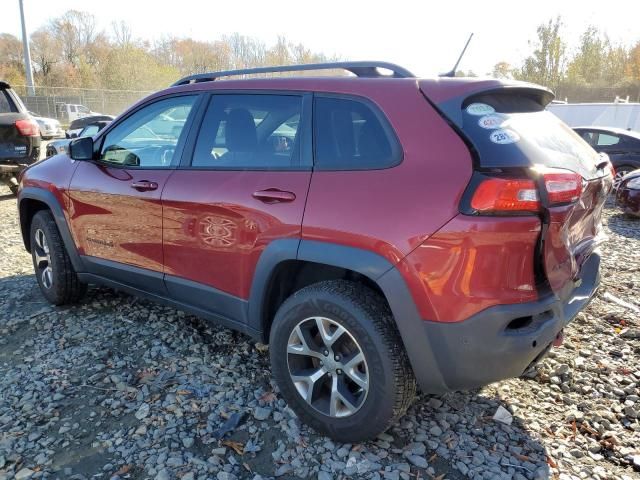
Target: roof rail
360, 69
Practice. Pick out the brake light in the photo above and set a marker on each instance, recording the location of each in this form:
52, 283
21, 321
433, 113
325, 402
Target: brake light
506, 195
27, 128
562, 187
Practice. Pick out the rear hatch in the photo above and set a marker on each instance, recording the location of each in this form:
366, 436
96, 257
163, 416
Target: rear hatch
516, 143
16, 129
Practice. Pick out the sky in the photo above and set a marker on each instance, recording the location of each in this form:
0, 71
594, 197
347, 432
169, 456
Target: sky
425, 37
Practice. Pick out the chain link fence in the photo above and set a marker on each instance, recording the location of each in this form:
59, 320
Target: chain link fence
51, 101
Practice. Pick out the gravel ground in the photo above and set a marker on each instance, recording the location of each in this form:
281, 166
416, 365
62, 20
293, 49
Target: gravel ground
121, 388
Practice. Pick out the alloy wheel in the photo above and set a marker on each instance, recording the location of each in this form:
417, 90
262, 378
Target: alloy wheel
42, 258
327, 367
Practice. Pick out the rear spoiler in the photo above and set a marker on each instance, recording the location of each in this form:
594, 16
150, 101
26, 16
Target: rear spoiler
466, 90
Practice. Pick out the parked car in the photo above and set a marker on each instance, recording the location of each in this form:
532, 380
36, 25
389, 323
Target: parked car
404, 232
68, 112
60, 146
628, 193
19, 137
622, 146
76, 126
49, 127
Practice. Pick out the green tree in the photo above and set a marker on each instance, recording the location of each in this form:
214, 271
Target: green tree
546, 65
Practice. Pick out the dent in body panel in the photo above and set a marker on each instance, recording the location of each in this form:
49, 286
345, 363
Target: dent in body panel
471, 264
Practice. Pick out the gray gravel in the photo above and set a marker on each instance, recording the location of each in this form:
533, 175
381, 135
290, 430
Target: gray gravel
117, 387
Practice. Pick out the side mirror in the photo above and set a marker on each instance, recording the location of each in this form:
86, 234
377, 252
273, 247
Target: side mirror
81, 148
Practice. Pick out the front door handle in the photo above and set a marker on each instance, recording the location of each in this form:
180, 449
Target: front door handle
144, 185
273, 195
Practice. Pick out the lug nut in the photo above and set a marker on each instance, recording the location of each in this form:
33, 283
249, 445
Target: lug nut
337, 357
339, 372
321, 362
326, 353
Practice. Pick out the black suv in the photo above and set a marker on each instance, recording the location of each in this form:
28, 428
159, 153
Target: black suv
19, 137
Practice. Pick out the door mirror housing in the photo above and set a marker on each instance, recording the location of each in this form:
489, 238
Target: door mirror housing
81, 148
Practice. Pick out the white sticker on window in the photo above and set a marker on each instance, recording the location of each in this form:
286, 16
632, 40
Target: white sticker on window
492, 121
504, 136
480, 109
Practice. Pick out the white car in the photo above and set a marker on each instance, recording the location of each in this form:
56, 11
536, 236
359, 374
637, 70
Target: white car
49, 127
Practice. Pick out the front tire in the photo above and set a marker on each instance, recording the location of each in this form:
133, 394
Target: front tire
56, 277
339, 361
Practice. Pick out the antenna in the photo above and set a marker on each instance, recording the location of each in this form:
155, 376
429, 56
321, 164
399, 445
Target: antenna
452, 72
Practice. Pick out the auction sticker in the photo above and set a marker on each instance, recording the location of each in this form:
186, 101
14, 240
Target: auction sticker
504, 136
480, 109
492, 121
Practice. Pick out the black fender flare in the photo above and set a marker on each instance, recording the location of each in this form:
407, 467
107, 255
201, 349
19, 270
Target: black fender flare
375, 267
49, 199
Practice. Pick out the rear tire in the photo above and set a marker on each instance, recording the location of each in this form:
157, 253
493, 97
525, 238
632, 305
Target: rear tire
56, 277
335, 343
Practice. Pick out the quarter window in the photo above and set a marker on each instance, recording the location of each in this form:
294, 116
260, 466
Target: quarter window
606, 139
250, 132
148, 138
349, 135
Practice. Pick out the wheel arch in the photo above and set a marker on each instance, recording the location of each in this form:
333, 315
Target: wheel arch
32, 200
288, 265
280, 260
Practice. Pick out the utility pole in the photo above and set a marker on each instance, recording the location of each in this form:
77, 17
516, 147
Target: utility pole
27, 54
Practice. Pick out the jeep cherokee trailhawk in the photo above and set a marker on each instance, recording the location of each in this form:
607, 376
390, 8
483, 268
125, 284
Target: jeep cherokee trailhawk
377, 230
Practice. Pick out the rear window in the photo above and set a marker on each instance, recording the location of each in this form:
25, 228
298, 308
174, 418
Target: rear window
350, 134
6, 105
514, 130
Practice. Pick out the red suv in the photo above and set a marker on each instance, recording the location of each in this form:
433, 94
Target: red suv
375, 229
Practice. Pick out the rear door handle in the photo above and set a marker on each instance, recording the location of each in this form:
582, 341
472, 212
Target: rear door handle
273, 195
144, 185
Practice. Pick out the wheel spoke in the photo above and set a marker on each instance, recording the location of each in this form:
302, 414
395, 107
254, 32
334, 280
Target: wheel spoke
352, 371
309, 380
40, 258
301, 348
339, 404
324, 327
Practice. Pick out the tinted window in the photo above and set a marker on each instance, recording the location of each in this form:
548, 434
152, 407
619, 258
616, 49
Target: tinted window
89, 131
249, 131
148, 138
350, 136
509, 128
6, 105
605, 139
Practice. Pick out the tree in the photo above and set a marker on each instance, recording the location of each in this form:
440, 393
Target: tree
632, 68
502, 70
545, 66
45, 51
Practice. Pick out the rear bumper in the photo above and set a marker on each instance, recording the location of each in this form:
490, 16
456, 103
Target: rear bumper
498, 343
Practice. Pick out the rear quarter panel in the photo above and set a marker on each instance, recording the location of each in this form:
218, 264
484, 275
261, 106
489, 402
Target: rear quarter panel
392, 211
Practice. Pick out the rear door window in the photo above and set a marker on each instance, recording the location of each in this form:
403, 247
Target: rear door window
511, 129
350, 134
245, 132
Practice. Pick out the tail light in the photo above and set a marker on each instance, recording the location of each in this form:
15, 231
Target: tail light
497, 195
27, 128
